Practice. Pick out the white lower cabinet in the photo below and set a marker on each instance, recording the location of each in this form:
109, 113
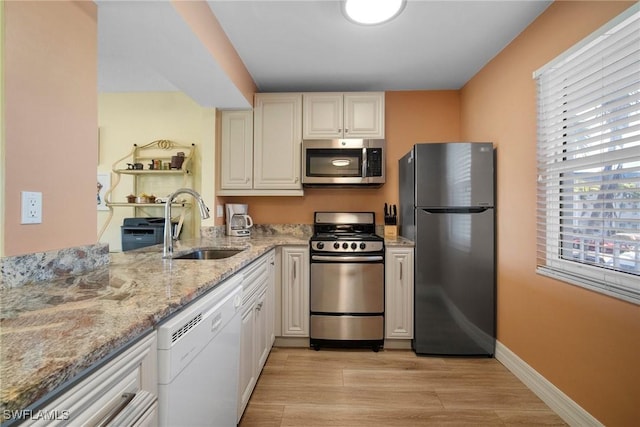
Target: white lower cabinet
399, 293
122, 392
295, 291
257, 330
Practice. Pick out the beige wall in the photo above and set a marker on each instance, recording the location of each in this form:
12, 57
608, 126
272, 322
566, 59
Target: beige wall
411, 116
585, 343
50, 122
140, 118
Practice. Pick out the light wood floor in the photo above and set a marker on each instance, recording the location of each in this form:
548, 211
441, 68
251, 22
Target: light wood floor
350, 388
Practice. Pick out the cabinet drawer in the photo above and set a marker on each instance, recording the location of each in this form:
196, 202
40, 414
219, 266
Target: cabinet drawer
255, 275
115, 389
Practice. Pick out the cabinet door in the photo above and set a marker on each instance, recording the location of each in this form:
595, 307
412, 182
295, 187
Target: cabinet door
399, 293
277, 141
262, 335
364, 115
247, 376
236, 165
295, 291
271, 299
322, 115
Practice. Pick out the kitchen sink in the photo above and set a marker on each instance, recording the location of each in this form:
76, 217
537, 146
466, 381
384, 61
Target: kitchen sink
210, 254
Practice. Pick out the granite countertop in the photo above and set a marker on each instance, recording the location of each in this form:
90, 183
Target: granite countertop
53, 331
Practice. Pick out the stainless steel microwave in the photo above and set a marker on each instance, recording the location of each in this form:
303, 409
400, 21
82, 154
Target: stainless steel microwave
343, 162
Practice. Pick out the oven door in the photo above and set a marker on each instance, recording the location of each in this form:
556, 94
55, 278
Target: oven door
347, 284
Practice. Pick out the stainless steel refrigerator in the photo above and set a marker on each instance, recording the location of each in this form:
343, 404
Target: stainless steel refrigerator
447, 209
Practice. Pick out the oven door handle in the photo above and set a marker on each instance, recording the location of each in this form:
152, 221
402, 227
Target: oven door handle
340, 258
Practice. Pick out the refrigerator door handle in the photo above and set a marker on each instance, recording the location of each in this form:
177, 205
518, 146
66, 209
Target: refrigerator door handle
456, 210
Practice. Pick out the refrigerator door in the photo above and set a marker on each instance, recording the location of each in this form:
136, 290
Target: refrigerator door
457, 174
454, 284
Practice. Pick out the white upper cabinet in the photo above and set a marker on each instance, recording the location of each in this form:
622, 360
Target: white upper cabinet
331, 115
277, 141
323, 115
260, 150
236, 150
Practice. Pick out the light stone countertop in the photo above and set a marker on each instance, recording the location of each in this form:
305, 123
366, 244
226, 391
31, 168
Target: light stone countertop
53, 332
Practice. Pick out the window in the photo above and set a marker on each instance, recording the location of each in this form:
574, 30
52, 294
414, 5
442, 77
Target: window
588, 219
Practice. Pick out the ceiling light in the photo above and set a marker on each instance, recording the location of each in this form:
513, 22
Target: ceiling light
340, 162
370, 12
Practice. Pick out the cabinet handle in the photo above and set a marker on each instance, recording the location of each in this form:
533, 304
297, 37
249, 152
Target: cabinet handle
339, 130
246, 180
401, 269
346, 131
126, 398
295, 274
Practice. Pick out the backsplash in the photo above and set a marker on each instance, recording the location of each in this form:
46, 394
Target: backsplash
297, 230
18, 270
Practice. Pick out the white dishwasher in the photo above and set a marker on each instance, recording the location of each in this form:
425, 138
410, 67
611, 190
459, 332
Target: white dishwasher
198, 359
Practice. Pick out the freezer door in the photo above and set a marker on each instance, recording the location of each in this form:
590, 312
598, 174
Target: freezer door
454, 283
454, 174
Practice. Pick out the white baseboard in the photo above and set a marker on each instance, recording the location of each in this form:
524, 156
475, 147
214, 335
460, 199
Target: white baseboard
572, 413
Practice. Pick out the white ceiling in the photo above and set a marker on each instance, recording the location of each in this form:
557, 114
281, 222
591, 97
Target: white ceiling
304, 45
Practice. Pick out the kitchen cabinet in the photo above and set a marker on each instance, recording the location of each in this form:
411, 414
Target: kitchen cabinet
295, 291
236, 164
277, 141
149, 166
270, 165
123, 391
257, 329
399, 293
335, 115
271, 301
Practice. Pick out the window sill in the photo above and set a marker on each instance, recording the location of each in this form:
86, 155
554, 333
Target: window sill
590, 284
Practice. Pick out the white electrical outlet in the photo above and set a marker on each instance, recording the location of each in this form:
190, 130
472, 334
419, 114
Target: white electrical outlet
219, 211
31, 207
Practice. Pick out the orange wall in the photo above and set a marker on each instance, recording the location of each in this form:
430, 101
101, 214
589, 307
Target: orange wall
411, 116
203, 23
585, 343
51, 122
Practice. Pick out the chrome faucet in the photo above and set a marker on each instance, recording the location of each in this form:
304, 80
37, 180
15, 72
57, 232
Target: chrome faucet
167, 250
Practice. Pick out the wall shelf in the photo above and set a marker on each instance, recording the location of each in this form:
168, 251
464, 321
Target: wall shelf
148, 179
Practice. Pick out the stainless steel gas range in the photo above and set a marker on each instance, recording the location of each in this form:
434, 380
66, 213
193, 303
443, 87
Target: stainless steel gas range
347, 281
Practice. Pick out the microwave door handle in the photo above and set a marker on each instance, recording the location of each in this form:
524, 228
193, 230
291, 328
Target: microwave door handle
364, 162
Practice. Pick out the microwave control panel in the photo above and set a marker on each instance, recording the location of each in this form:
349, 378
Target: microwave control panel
374, 162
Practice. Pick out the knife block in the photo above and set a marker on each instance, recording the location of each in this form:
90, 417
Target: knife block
391, 232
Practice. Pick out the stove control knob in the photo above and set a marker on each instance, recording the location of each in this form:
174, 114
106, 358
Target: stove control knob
336, 245
320, 245
354, 246
362, 246
345, 245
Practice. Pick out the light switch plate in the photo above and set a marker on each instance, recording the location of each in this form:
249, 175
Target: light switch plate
31, 207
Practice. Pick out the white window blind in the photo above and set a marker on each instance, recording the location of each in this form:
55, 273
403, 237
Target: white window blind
588, 207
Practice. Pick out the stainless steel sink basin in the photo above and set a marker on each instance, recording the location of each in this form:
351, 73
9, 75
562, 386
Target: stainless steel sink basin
210, 254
